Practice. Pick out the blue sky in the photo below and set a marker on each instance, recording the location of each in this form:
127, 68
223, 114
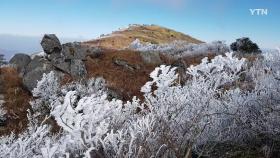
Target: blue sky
206, 20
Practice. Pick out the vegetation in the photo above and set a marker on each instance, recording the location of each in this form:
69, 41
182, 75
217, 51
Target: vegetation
212, 110
245, 45
16, 102
145, 33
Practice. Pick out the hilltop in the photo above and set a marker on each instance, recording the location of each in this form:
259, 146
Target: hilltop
145, 33
124, 70
143, 91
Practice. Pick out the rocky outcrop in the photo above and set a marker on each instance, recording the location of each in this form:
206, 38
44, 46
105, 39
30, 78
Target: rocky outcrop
34, 72
51, 44
62, 58
20, 62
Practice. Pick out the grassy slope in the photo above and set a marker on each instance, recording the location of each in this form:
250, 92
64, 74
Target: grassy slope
145, 33
124, 81
16, 101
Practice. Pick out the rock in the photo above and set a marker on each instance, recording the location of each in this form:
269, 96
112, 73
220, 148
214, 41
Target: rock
51, 44
76, 50
20, 61
94, 52
35, 70
125, 64
114, 94
3, 121
151, 57
35, 63
61, 64
78, 68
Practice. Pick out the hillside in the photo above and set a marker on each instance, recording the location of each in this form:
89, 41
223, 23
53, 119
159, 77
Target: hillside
145, 33
165, 96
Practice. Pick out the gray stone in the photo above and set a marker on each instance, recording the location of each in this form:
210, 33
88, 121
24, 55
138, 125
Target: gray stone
74, 50
60, 63
20, 61
37, 62
125, 64
151, 57
114, 94
77, 68
36, 69
77, 50
51, 44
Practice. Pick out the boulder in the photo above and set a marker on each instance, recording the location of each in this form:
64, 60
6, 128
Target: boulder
35, 63
125, 64
77, 68
74, 50
34, 72
20, 61
51, 44
64, 66
114, 94
151, 57
77, 50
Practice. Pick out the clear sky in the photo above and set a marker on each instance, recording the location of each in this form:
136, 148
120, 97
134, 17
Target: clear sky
206, 20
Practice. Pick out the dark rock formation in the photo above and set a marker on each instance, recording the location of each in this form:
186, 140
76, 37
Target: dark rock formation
34, 72
72, 51
63, 59
77, 68
20, 61
51, 44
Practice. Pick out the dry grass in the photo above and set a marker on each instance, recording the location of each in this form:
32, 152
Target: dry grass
125, 81
152, 34
16, 101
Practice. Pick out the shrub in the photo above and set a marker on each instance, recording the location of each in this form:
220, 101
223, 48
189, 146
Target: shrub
173, 120
245, 45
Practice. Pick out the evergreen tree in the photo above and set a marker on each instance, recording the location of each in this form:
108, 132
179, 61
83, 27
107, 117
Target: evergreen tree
245, 45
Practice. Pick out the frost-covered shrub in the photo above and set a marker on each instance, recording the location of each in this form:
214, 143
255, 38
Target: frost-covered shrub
181, 48
172, 121
193, 114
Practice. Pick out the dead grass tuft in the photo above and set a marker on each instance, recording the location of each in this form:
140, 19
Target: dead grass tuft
16, 101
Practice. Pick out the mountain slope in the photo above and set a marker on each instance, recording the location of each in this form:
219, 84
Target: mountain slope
145, 33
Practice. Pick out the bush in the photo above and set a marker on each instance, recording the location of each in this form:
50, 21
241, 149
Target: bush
172, 121
245, 45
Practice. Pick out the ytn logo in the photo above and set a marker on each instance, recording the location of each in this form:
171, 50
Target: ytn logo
259, 11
